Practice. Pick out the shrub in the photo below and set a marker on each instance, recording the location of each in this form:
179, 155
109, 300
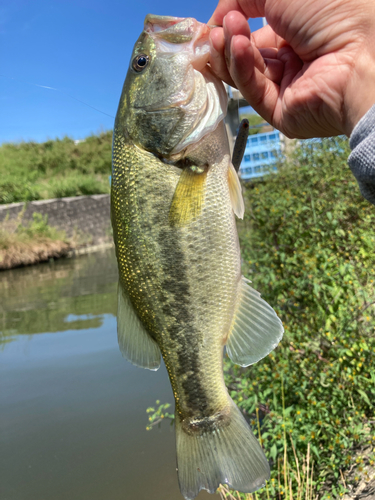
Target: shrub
308, 246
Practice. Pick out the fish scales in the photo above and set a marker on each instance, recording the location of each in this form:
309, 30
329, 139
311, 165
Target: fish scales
185, 307
181, 295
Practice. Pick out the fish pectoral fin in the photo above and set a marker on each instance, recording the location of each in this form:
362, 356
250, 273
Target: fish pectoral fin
235, 192
188, 197
136, 345
256, 329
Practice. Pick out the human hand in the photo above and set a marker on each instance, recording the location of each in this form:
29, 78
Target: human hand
310, 72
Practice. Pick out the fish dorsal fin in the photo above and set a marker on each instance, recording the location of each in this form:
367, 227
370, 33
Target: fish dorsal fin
188, 197
256, 329
135, 343
235, 192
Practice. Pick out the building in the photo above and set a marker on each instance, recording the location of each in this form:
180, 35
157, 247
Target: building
261, 155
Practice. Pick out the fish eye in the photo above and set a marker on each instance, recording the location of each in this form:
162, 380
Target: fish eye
140, 62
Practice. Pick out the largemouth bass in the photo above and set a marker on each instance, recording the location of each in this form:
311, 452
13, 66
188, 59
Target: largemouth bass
181, 294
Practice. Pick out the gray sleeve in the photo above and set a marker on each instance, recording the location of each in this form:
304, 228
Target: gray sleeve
362, 158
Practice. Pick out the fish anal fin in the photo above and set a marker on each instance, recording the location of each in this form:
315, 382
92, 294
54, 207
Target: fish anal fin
188, 197
235, 192
136, 345
256, 329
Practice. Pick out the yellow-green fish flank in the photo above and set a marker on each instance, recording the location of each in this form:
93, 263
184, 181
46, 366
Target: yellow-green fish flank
181, 293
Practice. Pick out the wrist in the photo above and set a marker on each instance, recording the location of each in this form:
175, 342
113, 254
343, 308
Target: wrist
360, 92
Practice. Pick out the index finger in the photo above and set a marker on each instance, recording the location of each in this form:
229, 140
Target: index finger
248, 8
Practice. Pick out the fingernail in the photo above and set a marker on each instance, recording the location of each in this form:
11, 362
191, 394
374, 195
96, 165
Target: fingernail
227, 59
233, 55
213, 51
212, 48
227, 45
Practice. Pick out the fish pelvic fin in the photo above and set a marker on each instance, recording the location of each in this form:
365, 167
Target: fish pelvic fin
188, 197
136, 345
256, 329
235, 192
224, 452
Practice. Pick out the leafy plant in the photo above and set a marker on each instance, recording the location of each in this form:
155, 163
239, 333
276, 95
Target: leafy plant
157, 415
308, 246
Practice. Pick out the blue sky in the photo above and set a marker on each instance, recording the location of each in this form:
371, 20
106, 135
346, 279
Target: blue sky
82, 48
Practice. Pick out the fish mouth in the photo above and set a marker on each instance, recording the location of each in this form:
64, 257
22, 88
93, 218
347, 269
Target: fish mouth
169, 32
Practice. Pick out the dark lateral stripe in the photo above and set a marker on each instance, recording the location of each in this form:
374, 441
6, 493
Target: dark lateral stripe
182, 332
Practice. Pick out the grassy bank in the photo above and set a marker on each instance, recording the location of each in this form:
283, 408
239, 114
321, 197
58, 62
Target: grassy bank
308, 245
54, 169
35, 242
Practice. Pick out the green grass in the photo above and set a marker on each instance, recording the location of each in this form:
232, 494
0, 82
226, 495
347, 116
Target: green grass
31, 243
53, 169
35, 231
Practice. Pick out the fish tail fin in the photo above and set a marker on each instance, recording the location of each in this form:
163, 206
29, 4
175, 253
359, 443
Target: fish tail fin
217, 450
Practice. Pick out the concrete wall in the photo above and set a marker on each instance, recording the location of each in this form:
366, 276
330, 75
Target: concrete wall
89, 216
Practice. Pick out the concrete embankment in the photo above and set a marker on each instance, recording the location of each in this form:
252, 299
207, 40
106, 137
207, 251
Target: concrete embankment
83, 222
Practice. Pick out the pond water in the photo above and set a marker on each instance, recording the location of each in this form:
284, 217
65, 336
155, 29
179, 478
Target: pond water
73, 411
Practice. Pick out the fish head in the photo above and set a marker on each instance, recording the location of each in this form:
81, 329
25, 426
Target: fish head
170, 98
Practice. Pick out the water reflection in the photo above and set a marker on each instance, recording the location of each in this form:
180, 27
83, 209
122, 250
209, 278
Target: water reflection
72, 409
40, 298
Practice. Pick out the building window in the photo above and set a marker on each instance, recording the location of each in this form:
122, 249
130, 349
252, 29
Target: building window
247, 157
273, 154
255, 156
263, 138
272, 137
256, 169
264, 155
254, 140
